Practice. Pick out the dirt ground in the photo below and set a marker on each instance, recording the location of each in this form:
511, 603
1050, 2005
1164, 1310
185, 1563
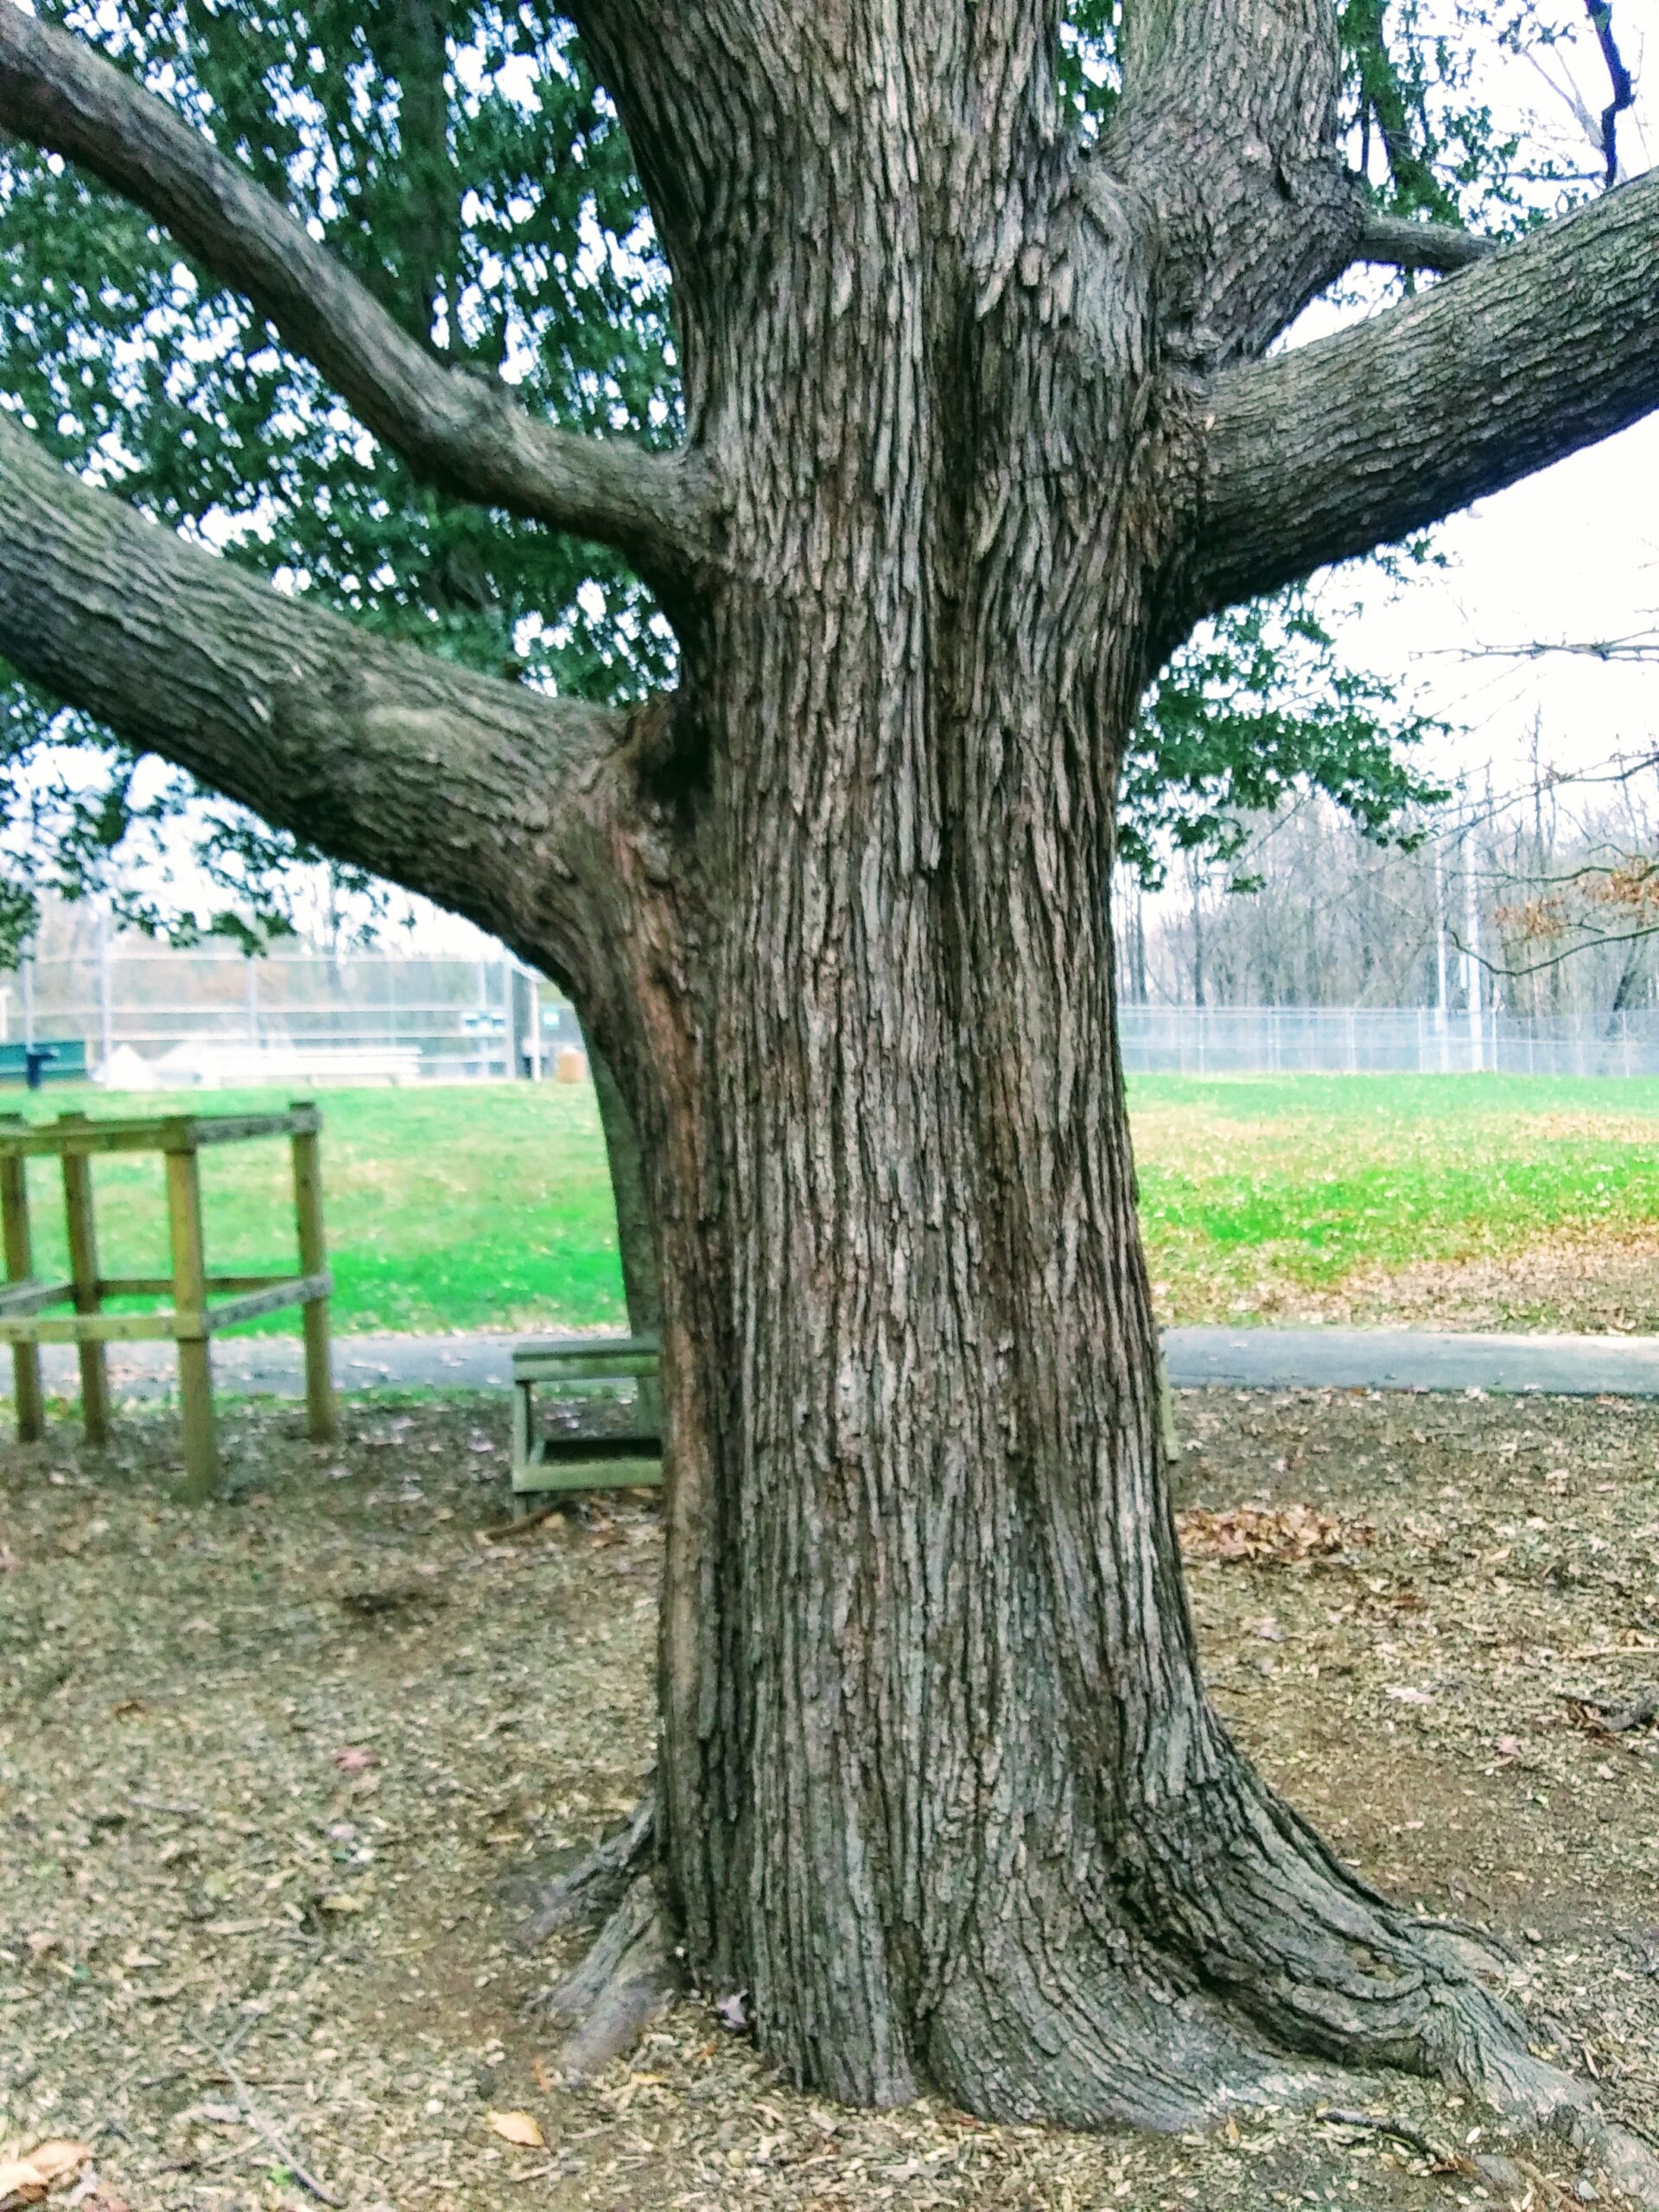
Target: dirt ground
275, 1776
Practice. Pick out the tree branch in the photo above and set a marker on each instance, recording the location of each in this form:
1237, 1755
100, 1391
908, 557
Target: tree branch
1399, 243
1329, 449
492, 799
1618, 78
462, 431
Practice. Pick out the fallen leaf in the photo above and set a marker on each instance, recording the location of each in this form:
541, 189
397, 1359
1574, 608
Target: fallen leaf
1508, 1747
1404, 1695
55, 2160
21, 2179
539, 2067
1277, 1535
518, 2127
353, 1759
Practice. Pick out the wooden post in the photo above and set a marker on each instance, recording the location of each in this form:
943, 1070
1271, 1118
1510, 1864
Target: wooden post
314, 1260
190, 1304
83, 1268
20, 1265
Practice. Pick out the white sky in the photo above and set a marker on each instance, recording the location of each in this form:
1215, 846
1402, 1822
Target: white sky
1572, 554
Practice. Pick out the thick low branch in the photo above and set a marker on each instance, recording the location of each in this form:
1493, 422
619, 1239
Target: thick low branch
462, 431
490, 799
1326, 451
1397, 243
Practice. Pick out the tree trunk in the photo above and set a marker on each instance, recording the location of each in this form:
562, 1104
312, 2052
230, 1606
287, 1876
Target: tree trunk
940, 1789
636, 1236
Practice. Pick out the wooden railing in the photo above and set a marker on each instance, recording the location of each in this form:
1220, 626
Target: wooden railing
203, 1305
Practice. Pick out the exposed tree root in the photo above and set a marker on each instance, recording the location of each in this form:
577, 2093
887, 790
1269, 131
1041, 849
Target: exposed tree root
1541, 2099
1266, 1948
626, 1979
630, 1971
1229, 1940
597, 1885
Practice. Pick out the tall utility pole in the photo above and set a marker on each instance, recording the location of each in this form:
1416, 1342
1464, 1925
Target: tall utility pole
1195, 879
1442, 954
105, 1009
1471, 964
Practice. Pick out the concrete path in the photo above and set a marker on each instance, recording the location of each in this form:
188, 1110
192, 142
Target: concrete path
1379, 1359
1414, 1360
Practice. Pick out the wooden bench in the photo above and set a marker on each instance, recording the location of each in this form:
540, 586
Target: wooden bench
619, 1460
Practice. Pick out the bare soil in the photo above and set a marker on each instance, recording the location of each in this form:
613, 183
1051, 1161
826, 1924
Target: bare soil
278, 1776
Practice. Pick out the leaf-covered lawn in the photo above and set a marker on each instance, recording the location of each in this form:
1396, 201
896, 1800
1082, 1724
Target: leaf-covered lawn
1484, 1200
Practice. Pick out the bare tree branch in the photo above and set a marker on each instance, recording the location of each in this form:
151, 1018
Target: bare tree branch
1398, 242
1624, 92
459, 430
1331, 449
491, 798
1639, 646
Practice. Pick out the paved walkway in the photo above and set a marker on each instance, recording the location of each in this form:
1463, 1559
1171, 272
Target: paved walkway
1379, 1359
1414, 1360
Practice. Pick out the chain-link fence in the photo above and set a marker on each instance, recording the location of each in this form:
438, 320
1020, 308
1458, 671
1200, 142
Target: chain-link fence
150, 1016
1382, 1041
147, 1015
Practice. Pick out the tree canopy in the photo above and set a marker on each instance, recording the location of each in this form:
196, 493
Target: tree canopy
462, 161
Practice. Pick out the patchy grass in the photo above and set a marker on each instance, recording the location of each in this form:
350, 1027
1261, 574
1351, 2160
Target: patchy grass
276, 1776
1475, 1201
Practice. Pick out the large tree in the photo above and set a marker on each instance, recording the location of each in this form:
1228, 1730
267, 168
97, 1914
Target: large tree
980, 420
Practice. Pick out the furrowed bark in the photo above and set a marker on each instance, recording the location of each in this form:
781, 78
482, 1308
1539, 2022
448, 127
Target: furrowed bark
492, 799
1328, 450
463, 432
939, 1787
1227, 125
636, 1238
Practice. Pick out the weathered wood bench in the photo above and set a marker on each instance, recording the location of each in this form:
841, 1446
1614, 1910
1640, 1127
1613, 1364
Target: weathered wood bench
619, 1460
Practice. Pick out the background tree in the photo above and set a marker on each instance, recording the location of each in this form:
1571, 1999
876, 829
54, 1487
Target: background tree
978, 422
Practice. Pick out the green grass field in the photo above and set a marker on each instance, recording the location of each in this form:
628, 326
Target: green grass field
453, 1207
1375, 1197
1497, 1198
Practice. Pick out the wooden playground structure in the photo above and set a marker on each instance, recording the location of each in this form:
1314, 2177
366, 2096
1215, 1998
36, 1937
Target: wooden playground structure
192, 1320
